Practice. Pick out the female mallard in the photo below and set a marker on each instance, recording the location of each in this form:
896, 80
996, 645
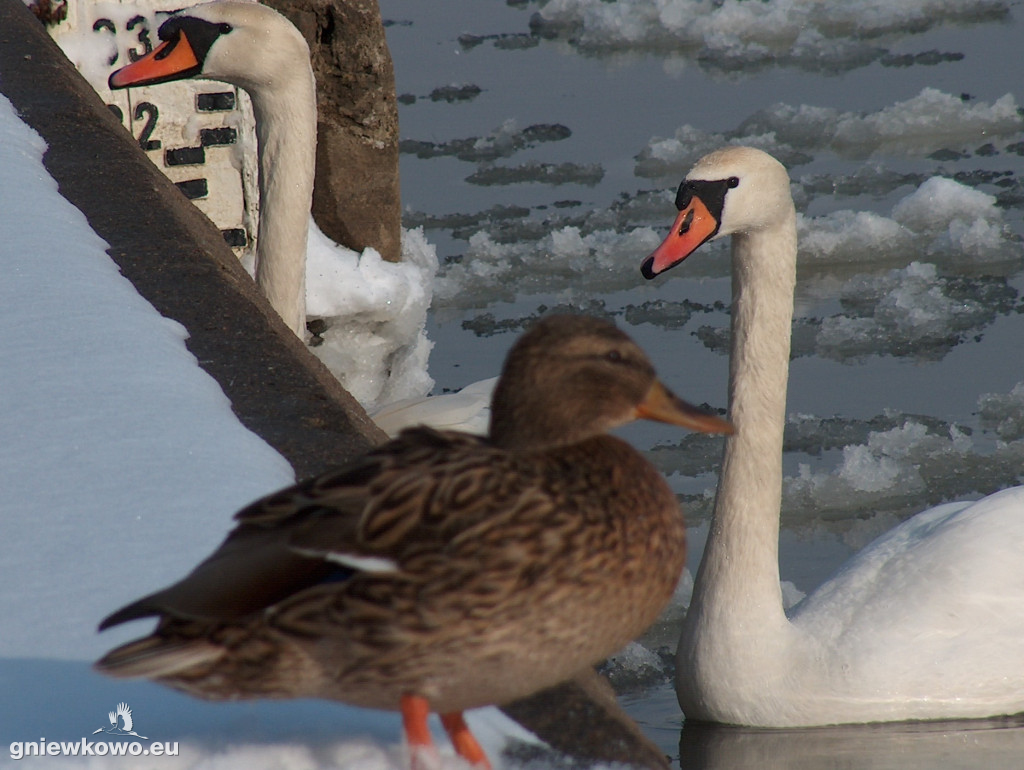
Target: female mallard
444, 571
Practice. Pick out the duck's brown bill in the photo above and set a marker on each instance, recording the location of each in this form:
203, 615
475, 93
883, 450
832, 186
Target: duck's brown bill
662, 405
173, 59
694, 225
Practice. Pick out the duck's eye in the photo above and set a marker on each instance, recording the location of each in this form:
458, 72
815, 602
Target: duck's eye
614, 356
224, 28
733, 181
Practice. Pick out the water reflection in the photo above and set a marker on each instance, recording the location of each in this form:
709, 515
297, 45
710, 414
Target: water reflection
905, 746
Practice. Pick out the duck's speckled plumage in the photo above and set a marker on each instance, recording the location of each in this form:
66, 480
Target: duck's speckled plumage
464, 570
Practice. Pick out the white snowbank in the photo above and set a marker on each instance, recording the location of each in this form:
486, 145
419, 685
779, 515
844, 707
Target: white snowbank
121, 460
121, 463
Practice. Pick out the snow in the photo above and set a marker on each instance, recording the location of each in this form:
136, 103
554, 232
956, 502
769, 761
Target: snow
375, 312
114, 441
121, 463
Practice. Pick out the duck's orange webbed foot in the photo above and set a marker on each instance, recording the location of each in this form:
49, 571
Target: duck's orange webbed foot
465, 744
422, 752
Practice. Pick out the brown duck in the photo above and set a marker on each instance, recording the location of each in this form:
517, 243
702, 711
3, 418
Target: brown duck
444, 571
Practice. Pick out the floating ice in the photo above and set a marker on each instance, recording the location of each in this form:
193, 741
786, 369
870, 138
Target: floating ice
930, 121
1004, 414
502, 142
891, 465
943, 221
604, 259
734, 35
588, 174
911, 311
898, 468
634, 667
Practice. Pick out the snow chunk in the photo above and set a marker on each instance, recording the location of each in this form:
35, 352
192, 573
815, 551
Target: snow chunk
374, 313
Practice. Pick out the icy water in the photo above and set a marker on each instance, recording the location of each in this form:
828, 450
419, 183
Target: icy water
542, 145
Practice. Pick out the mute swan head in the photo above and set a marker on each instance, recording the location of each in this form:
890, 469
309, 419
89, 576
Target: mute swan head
246, 44
732, 191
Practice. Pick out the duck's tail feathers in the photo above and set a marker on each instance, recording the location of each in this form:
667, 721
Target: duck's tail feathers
155, 657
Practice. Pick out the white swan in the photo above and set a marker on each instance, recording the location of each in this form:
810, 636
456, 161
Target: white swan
927, 622
468, 410
259, 50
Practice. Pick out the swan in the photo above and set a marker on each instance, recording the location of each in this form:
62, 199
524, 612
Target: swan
925, 623
259, 50
467, 410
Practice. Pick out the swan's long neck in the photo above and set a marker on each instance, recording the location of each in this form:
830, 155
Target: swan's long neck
737, 586
286, 131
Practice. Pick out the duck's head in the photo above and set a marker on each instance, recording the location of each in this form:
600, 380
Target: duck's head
243, 43
573, 377
729, 191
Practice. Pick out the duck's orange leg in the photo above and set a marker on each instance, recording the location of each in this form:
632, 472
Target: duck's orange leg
465, 744
422, 753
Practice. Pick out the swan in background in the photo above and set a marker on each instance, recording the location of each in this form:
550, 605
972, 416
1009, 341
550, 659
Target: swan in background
927, 622
259, 50
468, 410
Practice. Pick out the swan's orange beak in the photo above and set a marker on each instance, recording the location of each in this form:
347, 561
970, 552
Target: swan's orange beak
694, 226
173, 59
662, 405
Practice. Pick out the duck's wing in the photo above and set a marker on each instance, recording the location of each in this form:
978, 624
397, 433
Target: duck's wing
402, 499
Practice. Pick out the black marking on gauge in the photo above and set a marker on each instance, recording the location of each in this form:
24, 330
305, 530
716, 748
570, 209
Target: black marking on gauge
217, 137
152, 114
220, 101
134, 54
185, 156
235, 237
193, 188
108, 25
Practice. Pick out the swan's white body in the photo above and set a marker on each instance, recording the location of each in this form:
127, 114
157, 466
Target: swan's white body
927, 622
468, 410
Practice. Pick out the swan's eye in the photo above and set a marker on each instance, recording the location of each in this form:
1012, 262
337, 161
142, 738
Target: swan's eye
224, 28
733, 181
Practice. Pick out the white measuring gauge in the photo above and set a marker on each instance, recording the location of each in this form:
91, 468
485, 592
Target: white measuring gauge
200, 133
